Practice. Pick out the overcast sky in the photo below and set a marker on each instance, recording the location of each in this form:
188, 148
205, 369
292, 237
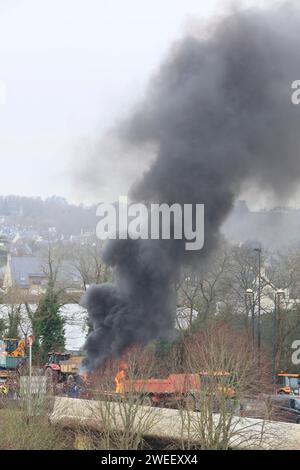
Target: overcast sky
70, 68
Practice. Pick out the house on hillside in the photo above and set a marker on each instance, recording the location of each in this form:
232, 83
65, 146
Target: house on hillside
25, 272
30, 273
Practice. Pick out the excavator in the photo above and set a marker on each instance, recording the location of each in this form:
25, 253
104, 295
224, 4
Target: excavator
12, 358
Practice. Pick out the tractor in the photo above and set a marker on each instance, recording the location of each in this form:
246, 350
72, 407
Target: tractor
61, 369
52, 368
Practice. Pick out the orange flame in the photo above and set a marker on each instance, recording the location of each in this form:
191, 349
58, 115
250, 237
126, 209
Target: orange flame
120, 377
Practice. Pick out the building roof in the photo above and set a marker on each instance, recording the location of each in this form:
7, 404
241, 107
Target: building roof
24, 267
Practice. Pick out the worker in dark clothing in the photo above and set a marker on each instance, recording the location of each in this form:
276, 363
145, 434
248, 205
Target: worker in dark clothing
72, 388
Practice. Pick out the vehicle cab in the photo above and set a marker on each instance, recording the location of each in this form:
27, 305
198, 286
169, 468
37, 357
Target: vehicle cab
288, 384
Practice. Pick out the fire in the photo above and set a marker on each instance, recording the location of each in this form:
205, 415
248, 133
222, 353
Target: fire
120, 377
85, 376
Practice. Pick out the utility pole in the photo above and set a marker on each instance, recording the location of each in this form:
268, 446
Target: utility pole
250, 295
29, 384
276, 331
258, 251
274, 340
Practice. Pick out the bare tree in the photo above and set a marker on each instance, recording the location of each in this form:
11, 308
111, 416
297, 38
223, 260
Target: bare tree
86, 262
200, 290
123, 418
226, 367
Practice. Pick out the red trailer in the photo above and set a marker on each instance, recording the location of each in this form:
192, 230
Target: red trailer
163, 392
175, 389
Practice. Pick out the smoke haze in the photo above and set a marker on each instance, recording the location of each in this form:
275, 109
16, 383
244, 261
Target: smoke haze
219, 115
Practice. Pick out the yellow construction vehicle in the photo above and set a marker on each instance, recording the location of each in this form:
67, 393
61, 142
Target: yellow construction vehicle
3, 389
12, 359
20, 349
288, 384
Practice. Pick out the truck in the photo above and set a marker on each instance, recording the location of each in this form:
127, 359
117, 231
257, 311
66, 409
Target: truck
175, 389
12, 355
12, 361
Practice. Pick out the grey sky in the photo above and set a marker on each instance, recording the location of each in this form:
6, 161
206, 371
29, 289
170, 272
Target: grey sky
71, 67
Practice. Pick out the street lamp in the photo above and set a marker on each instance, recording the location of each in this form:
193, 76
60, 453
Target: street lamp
276, 329
258, 251
250, 295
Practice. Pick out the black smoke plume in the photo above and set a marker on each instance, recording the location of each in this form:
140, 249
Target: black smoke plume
219, 112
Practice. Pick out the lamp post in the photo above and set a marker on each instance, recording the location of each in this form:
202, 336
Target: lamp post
276, 330
258, 251
30, 340
250, 295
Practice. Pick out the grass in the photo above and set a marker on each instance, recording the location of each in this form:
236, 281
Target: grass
17, 432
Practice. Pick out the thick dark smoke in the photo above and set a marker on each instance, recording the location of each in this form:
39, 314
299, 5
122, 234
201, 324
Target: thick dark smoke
219, 112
